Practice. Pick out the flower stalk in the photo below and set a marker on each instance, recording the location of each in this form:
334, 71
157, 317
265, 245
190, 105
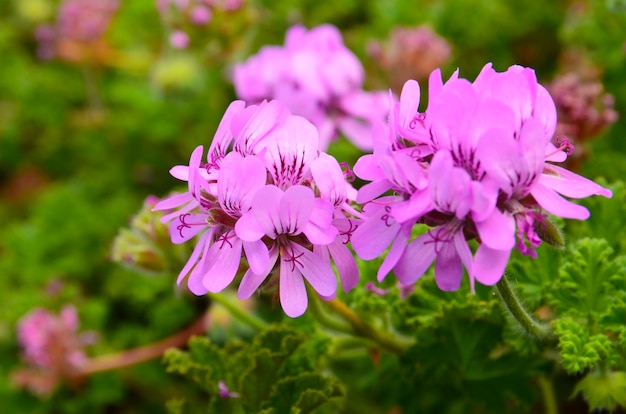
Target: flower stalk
512, 304
235, 309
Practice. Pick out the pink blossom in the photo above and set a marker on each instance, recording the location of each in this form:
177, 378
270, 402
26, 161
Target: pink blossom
478, 163
265, 192
179, 39
317, 77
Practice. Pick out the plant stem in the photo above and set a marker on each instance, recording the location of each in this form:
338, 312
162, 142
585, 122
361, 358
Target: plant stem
235, 309
385, 340
511, 303
547, 392
322, 317
143, 353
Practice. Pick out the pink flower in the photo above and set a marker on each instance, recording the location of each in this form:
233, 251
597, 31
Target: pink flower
179, 39
272, 195
317, 77
476, 164
51, 346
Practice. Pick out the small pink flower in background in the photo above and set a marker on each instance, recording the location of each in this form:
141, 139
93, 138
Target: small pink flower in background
80, 26
51, 346
317, 77
410, 53
477, 164
179, 39
266, 192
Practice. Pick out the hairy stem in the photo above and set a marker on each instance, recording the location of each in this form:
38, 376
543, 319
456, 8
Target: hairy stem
237, 311
143, 353
512, 304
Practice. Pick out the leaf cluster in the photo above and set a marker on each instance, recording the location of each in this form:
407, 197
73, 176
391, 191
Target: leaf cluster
276, 373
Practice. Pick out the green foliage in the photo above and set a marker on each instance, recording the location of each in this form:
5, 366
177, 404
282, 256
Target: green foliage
275, 373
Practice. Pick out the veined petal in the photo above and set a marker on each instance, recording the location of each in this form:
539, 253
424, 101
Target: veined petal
227, 255
251, 281
239, 180
260, 126
417, 258
223, 135
557, 205
257, 255
315, 270
489, 264
409, 102
295, 208
570, 184
290, 151
292, 290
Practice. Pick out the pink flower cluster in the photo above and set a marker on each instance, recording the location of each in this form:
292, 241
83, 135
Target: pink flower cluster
268, 195
477, 164
77, 21
317, 77
51, 346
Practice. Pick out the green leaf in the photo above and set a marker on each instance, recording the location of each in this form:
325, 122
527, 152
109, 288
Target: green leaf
303, 394
603, 390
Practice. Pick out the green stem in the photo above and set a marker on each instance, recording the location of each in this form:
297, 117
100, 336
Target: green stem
322, 317
511, 303
235, 309
547, 391
385, 340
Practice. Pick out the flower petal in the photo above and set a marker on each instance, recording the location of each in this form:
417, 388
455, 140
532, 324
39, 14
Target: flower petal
251, 281
557, 205
315, 270
329, 178
239, 180
417, 258
448, 268
226, 258
346, 265
570, 184
395, 252
489, 264
292, 290
257, 255
498, 230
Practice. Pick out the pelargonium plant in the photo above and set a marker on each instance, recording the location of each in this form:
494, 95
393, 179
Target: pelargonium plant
478, 164
316, 76
265, 194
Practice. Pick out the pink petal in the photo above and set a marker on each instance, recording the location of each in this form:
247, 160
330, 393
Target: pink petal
320, 235
251, 281
409, 102
295, 209
498, 230
553, 203
329, 178
187, 226
417, 258
374, 234
570, 184
372, 190
346, 265
223, 135
416, 206
292, 290
174, 201
448, 268
239, 180
248, 229
227, 256
367, 168
257, 255
395, 252
465, 254
489, 264
266, 212
315, 270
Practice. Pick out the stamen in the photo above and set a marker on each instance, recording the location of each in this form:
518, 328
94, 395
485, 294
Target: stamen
563, 144
347, 173
387, 217
223, 237
348, 233
419, 118
293, 258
